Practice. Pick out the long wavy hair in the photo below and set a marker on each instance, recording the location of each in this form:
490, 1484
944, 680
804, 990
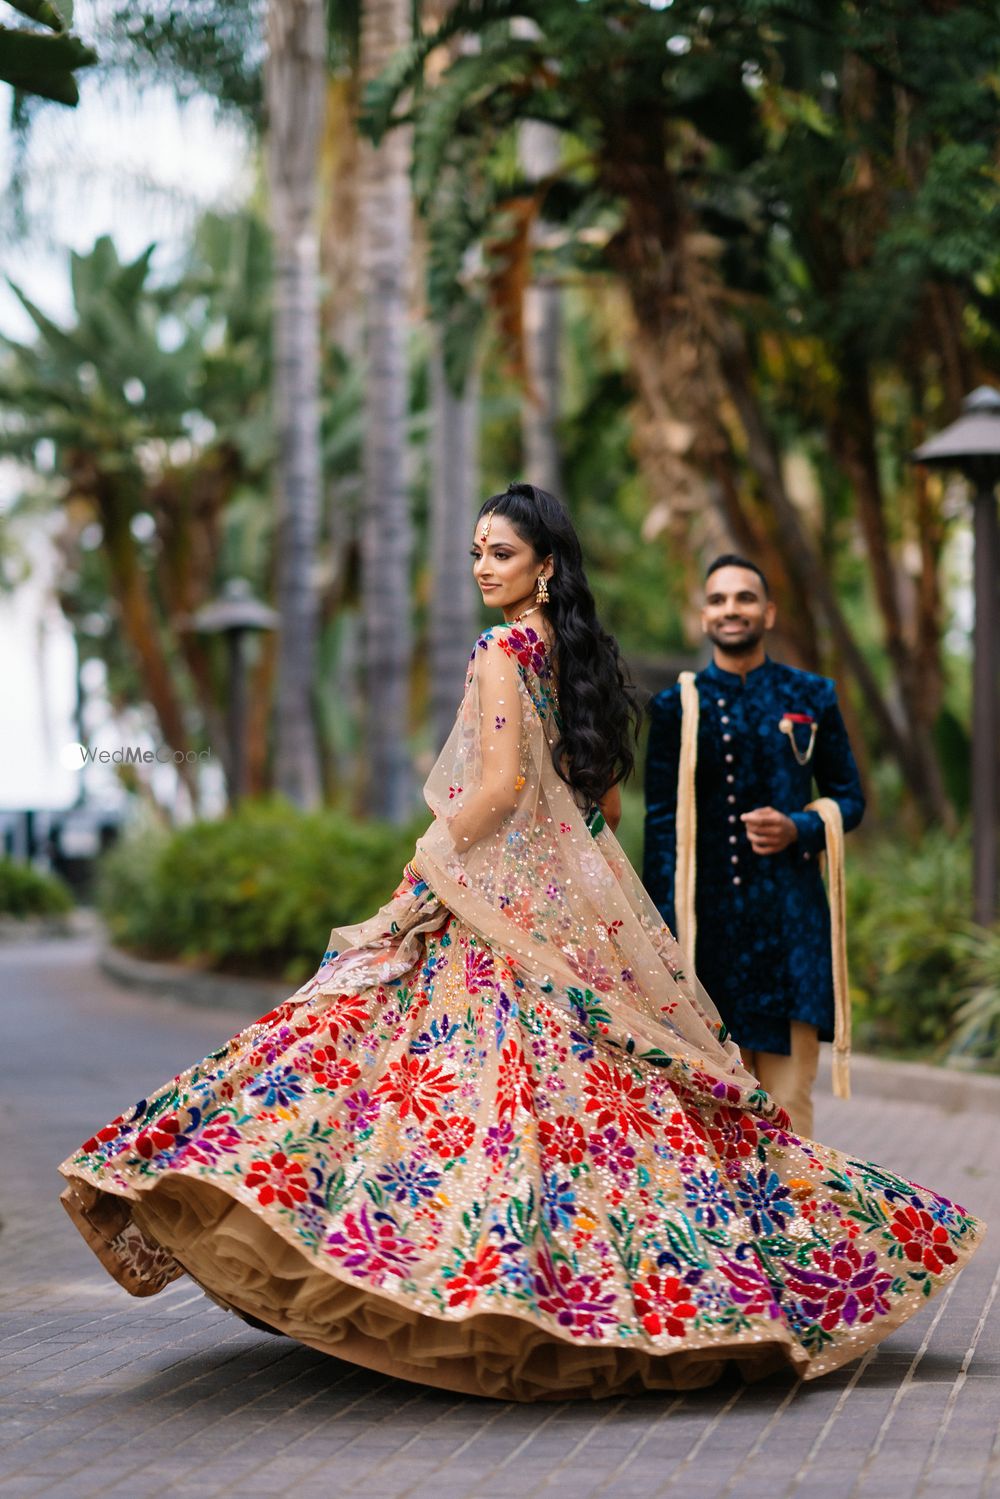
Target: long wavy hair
597, 706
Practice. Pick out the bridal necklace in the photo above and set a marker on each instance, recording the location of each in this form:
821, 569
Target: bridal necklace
524, 614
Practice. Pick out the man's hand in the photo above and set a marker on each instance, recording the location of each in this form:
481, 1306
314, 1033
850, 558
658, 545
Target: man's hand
769, 831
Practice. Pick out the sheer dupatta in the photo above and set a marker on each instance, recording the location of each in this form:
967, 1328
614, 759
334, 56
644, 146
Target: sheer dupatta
510, 853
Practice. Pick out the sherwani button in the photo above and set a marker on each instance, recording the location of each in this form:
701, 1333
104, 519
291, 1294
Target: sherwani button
729, 759
730, 779
731, 799
721, 702
734, 858
737, 880
725, 718
732, 836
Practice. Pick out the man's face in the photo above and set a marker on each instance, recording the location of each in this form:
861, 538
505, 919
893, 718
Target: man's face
737, 614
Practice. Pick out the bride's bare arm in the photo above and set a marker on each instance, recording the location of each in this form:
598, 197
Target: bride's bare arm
480, 810
611, 805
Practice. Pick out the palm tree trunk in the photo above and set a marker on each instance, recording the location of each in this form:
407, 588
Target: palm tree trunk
386, 540
454, 489
538, 145
295, 85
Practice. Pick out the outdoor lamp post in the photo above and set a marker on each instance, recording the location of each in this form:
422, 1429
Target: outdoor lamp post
232, 614
972, 446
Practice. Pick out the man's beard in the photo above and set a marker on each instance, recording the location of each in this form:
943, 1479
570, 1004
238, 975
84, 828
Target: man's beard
737, 645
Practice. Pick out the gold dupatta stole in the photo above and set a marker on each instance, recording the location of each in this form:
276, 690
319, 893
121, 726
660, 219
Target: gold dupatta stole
510, 853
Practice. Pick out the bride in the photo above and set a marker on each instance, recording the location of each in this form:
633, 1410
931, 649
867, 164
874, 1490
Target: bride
500, 1142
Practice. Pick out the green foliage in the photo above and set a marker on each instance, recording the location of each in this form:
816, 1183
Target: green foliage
977, 1033
25, 892
907, 921
34, 62
254, 893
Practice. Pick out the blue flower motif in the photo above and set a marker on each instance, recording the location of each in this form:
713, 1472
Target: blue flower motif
704, 1192
438, 1034
765, 1200
281, 1086
406, 1181
558, 1200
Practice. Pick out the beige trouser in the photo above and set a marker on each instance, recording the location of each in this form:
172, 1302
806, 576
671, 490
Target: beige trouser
790, 1079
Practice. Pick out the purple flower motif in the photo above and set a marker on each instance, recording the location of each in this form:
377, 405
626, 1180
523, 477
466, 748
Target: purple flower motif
499, 1139
575, 1300
362, 1109
610, 1149
842, 1286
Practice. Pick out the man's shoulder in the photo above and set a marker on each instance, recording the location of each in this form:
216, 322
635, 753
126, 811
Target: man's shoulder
806, 683
666, 704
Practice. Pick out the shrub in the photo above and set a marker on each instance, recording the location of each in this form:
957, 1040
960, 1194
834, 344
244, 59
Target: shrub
25, 892
907, 915
977, 1032
256, 892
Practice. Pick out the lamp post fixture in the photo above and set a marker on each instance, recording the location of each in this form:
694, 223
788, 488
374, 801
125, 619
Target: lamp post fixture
232, 614
972, 446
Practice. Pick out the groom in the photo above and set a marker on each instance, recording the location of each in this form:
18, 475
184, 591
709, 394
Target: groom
735, 858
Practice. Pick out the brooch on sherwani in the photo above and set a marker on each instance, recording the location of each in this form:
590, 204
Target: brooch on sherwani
787, 726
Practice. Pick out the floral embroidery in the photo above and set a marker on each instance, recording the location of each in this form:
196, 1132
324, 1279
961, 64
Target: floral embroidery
472, 1142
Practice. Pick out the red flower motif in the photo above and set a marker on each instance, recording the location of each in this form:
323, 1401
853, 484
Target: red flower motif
347, 1013
332, 1071
733, 1132
685, 1134
451, 1137
664, 1304
163, 1135
514, 1082
279, 1180
474, 1274
417, 1085
616, 1098
924, 1241
563, 1139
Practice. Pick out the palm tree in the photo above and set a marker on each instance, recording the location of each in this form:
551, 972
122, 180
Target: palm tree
152, 445
386, 539
295, 86
757, 215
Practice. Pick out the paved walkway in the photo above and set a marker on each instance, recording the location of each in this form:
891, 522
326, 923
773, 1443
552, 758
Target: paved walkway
101, 1394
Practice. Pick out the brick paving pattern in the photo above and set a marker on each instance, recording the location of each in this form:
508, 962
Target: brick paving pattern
101, 1394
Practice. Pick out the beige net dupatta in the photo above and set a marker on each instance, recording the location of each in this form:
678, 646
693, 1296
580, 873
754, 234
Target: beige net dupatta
509, 852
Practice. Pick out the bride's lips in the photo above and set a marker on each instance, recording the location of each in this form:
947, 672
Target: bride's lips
488, 587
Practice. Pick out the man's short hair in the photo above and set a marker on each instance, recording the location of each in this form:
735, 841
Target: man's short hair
731, 559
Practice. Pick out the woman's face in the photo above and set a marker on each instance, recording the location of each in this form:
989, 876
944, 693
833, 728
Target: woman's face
505, 566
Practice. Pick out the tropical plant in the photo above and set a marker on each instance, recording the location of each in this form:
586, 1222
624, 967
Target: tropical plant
799, 207
154, 402
44, 63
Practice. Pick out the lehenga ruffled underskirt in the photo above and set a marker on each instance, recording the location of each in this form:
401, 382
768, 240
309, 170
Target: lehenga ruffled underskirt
453, 1179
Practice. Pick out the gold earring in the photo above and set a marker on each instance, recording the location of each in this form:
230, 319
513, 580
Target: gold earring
542, 591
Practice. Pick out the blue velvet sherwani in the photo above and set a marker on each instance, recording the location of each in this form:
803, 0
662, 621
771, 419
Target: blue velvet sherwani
763, 940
